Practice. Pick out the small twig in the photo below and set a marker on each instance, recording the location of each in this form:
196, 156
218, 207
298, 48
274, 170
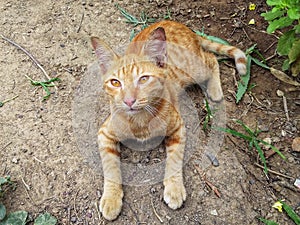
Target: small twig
38, 160
285, 108
203, 177
156, 214
135, 217
274, 172
5, 146
75, 208
97, 210
246, 34
271, 56
30, 56
26, 185
80, 24
270, 46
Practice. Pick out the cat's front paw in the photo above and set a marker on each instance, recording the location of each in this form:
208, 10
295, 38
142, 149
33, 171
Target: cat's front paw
110, 206
174, 194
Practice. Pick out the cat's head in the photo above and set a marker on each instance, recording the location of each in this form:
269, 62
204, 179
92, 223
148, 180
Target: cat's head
136, 80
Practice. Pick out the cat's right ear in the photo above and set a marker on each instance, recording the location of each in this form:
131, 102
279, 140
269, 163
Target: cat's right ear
104, 54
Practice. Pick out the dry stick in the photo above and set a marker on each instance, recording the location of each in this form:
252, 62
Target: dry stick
213, 187
156, 214
30, 56
98, 211
285, 108
26, 185
80, 24
246, 34
274, 172
270, 46
75, 198
5, 146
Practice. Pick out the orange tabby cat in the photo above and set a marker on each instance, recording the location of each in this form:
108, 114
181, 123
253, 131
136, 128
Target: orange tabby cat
143, 87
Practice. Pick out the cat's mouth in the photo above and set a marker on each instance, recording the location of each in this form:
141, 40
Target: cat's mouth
132, 111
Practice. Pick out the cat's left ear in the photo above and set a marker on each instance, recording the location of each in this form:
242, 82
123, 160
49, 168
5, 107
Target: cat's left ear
156, 47
104, 54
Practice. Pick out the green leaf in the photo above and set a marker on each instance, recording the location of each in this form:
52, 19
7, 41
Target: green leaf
211, 38
251, 49
273, 2
2, 211
249, 131
297, 29
45, 219
279, 23
272, 15
234, 133
268, 222
259, 63
293, 13
295, 68
294, 52
243, 84
291, 213
285, 42
286, 65
273, 148
15, 218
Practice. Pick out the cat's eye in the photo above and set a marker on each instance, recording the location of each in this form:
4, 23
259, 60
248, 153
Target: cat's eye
115, 83
143, 79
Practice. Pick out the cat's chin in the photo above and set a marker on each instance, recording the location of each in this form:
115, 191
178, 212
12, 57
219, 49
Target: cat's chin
131, 112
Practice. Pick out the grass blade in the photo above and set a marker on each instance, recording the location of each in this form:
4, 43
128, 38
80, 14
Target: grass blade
249, 131
259, 63
291, 213
273, 148
234, 132
243, 83
268, 222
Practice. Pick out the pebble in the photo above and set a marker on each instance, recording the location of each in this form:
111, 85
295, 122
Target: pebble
291, 159
73, 219
15, 160
296, 144
214, 212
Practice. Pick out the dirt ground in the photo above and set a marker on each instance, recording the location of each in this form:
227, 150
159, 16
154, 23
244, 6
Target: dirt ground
39, 147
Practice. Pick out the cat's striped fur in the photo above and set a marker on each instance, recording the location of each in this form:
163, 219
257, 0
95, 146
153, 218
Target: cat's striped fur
143, 86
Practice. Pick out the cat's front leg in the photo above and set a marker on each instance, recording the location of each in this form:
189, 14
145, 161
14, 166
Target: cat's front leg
111, 200
174, 193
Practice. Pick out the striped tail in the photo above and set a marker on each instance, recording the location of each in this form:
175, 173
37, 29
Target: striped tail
230, 51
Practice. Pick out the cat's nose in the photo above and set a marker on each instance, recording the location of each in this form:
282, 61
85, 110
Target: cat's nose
129, 101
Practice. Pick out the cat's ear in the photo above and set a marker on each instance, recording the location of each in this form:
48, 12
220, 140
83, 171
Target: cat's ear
156, 47
104, 54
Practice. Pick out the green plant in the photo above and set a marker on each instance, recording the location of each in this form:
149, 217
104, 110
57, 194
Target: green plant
20, 217
252, 138
285, 14
44, 84
289, 211
244, 80
144, 21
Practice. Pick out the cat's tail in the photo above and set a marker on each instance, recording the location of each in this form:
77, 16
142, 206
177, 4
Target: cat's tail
230, 51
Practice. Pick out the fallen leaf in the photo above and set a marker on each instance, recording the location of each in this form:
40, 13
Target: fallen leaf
283, 77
